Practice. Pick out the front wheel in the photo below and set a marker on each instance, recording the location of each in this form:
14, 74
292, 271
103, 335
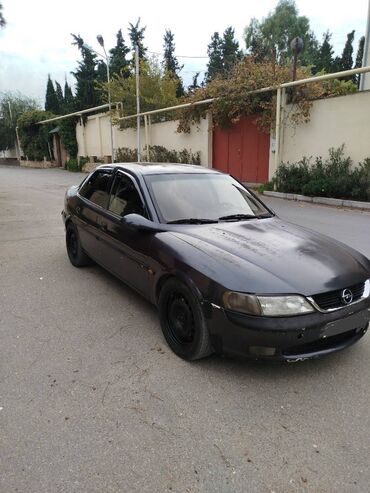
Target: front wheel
76, 255
183, 322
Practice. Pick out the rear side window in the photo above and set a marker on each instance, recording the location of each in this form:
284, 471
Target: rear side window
97, 187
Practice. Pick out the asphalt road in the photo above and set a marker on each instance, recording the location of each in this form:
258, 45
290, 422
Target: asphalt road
92, 400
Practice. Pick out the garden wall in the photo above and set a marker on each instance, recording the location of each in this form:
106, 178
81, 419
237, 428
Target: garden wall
94, 138
333, 122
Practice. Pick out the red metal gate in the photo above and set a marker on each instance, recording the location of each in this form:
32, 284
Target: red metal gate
242, 150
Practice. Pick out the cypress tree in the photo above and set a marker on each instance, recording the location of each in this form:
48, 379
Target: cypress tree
223, 54
325, 56
68, 98
359, 59
136, 34
51, 99
101, 71
60, 97
86, 74
231, 53
346, 60
170, 62
214, 50
118, 62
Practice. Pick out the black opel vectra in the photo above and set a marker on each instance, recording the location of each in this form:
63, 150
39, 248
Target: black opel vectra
227, 275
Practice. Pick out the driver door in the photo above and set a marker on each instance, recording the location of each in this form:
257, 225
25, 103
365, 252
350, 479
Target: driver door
126, 250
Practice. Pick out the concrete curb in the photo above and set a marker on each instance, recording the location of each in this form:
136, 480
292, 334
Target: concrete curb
351, 204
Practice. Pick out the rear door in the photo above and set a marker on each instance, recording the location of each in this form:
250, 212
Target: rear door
126, 250
93, 200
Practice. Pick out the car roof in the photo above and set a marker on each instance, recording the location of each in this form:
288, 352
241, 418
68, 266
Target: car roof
160, 168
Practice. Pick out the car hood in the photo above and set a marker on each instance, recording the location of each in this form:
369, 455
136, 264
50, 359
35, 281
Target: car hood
274, 256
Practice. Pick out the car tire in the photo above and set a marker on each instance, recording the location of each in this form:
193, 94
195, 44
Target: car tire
76, 255
183, 323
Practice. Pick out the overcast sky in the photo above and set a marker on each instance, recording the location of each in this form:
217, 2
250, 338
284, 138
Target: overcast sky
37, 40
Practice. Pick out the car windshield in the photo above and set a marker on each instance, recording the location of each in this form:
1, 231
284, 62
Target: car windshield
202, 198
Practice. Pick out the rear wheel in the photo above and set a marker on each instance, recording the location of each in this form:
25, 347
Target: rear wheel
183, 323
76, 255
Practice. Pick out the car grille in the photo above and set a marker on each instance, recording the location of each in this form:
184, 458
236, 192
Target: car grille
333, 299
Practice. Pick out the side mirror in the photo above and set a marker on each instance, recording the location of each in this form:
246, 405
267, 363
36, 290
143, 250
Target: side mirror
140, 223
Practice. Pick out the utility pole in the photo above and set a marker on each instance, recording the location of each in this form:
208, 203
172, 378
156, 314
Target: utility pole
110, 111
100, 39
137, 67
365, 78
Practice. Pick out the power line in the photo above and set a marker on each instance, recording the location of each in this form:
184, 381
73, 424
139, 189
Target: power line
178, 56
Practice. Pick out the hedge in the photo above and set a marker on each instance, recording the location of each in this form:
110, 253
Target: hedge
333, 177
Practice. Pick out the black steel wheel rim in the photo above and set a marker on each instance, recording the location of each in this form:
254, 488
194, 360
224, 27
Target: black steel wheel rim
72, 243
180, 319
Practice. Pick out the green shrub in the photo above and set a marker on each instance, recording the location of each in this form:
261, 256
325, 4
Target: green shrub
82, 161
125, 155
269, 186
158, 154
361, 181
290, 178
333, 177
72, 165
316, 188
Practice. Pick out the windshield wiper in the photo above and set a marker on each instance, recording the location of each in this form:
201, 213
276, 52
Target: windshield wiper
237, 217
240, 217
193, 220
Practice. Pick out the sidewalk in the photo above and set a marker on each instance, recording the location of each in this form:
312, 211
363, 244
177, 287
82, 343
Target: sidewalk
351, 204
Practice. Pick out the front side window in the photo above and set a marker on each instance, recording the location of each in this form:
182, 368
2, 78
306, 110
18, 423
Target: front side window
125, 198
96, 188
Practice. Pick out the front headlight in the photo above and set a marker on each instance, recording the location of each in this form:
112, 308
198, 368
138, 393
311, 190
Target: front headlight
267, 306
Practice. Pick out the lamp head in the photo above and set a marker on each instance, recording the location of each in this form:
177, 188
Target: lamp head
296, 45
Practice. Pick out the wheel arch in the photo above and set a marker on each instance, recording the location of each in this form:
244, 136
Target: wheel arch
180, 276
68, 221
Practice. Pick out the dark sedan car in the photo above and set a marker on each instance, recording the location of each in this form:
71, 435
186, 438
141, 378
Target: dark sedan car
227, 275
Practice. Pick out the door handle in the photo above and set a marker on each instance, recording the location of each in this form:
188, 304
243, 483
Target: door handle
78, 209
104, 226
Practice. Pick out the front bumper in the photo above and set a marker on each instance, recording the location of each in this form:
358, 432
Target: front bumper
286, 338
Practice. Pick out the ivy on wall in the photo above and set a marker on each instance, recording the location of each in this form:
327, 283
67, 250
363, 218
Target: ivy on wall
232, 98
35, 139
67, 131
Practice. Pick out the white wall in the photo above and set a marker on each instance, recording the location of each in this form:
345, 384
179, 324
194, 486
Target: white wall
333, 122
9, 154
94, 138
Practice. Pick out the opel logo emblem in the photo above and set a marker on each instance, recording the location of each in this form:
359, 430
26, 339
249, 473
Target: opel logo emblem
347, 296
